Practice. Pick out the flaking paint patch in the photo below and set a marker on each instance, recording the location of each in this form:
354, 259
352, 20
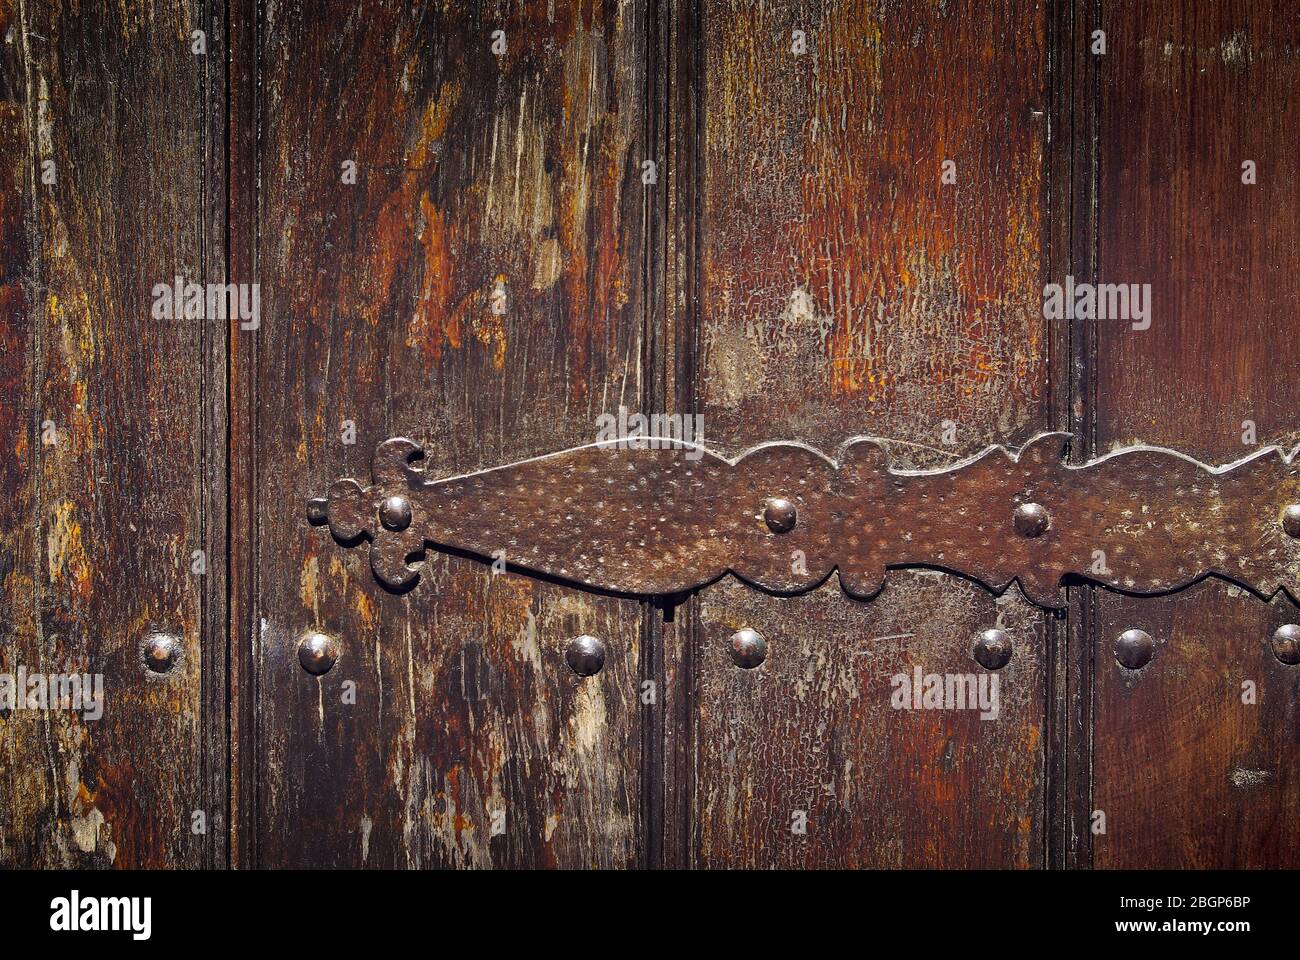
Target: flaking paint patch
44, 126
525, 645
309, 581
65, 553
548, 265
590, 721
737, 366
366, 826
365, 607
1234, 50
489, 323
1243, 778
91, 832
85, 829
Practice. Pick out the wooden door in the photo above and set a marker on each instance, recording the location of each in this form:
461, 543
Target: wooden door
486, 227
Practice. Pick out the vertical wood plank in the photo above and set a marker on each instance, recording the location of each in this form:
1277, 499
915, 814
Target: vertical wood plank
19, 425
477, 171
679, 61
240, 164
1187, 774
216, 689
106, 517
1071, 228
845, 290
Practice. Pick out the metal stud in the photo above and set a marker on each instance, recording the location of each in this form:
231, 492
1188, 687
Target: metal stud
780, 514
1286, 644
161, 652
395, 513
1031, 520
318, 510
585, 656
1291, 520
1134, 649
992, 649
748, 648
317, 652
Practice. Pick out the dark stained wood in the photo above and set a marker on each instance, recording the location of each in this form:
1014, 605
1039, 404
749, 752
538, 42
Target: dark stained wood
1072, 217
1187, 774
239, 244
19, 433
100, 527
217, 728
798, 272
678, 55
473, 170
813, 730
844, 290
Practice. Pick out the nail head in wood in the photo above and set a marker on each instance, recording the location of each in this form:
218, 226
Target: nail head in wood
1134, 649
992, 649
748, 648
585, 656
1286, 644
162, 651
317, 652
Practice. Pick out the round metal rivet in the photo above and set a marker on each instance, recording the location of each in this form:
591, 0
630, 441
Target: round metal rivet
1286, 644
1031, 520
318, 510
161, 651
748, 648
992, 649
585, 656
1291, 520
395, 513
317, 652
780, 514
1134, 649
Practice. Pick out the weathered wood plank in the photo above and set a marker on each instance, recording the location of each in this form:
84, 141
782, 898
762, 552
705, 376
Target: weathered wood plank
846, 290
477, 172
19, 432
1189, 774
1186, 773
103, 428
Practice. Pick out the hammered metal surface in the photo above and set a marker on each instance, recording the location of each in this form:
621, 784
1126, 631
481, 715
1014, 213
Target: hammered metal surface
657, 521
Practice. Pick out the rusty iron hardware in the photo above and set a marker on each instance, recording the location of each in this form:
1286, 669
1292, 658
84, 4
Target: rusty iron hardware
585, 655
317, 652
670, 517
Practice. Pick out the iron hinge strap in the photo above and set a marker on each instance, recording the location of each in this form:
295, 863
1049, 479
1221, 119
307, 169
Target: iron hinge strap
667, 517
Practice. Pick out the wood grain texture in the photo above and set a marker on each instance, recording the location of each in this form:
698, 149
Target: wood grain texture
1188, 775
1071, 218
813, 730
798, 272
1188, 92
100, 525
477, 172
238, 161
844, 290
